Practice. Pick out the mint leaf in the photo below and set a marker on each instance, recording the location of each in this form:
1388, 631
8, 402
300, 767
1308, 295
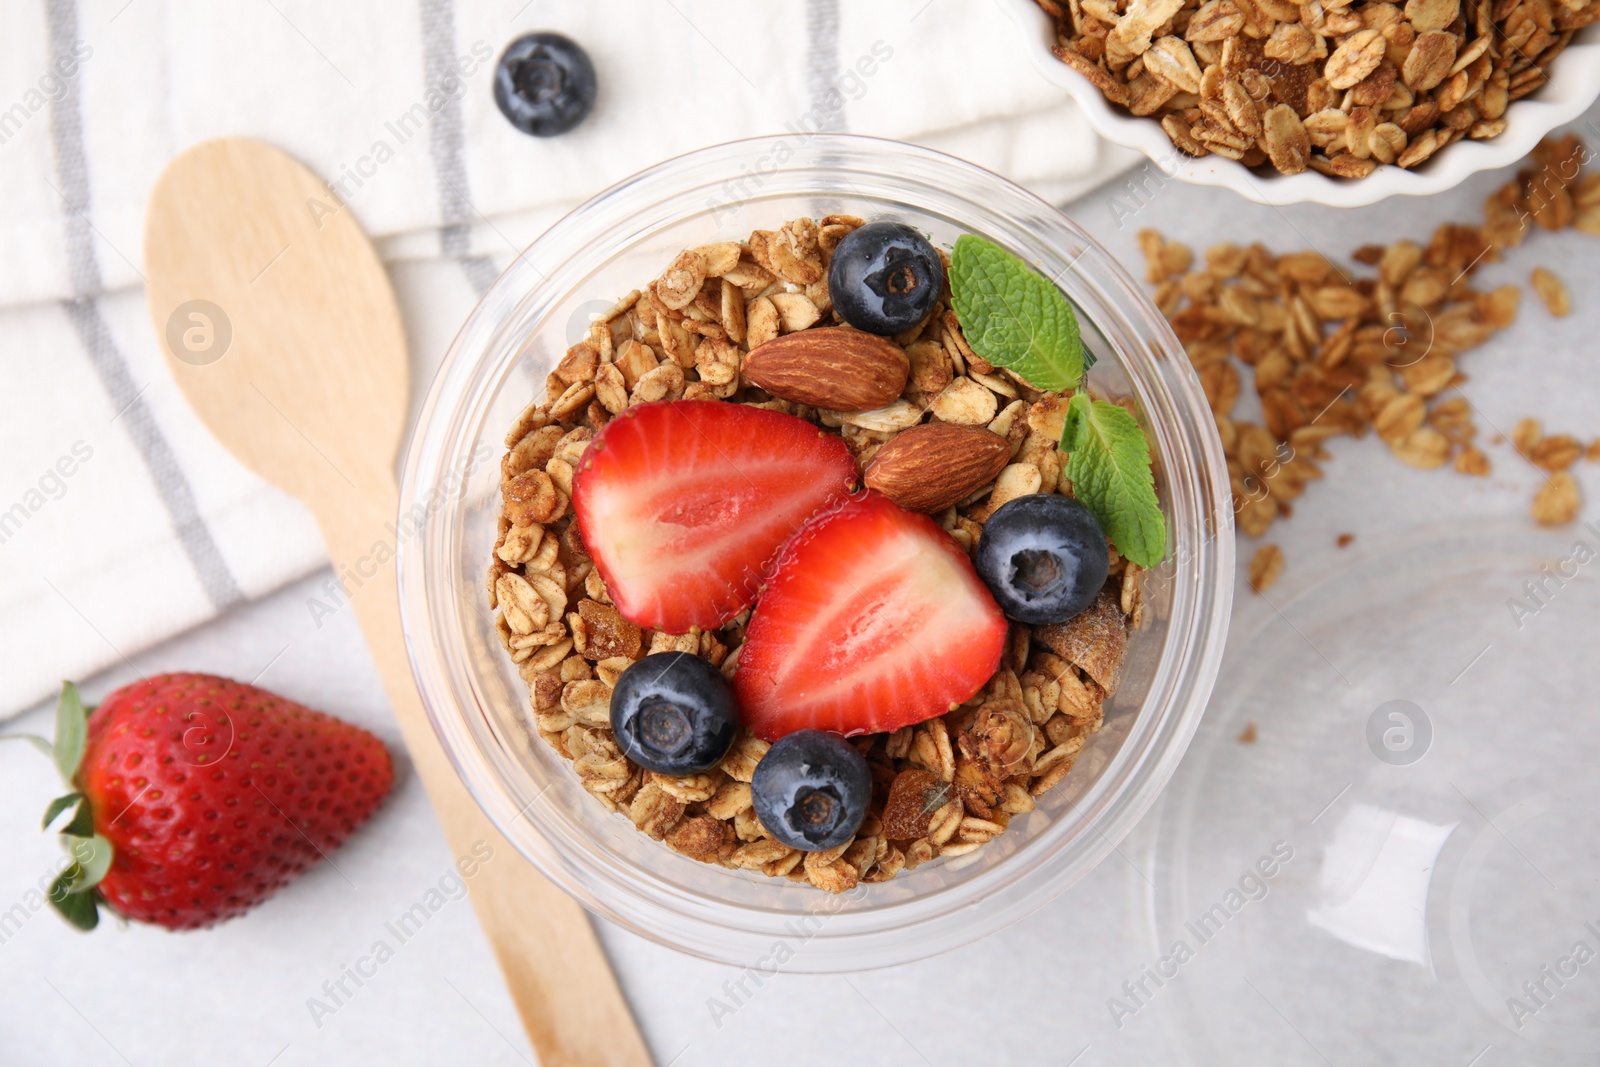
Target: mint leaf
72, 726
1109, 466
1013, 316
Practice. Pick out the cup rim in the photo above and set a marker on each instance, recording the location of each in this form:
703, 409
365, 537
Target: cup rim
1200, 565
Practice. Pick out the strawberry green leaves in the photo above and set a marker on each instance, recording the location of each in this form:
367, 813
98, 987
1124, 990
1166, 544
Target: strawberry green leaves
72, 728
73, 892
1109, 466
1013, 316
1016, 318
59, 805
80, 909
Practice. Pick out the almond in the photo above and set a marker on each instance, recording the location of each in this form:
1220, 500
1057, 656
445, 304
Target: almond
930, 467
835, 367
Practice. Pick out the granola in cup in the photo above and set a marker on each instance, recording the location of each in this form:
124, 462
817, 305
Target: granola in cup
482, 707
753, 322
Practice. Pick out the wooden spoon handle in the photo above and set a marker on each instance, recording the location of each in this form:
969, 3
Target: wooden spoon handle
554, 967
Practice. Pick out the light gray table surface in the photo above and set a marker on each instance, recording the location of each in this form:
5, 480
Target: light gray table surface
1033, 994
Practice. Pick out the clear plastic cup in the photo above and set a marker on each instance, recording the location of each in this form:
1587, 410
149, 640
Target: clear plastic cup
479, 706
1381, 847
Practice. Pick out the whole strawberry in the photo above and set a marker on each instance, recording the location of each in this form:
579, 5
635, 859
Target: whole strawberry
198, 797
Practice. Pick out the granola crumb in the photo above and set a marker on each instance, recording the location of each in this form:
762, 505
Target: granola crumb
1557, 502
1549, 452
1265, 567
1556, 452
1248, 735
1472, 461
1525, 436
1553, 291
1344, 540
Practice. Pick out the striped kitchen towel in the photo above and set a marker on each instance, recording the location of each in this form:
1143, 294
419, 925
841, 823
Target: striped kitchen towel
121, 521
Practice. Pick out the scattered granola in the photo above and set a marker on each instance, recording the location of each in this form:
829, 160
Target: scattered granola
1265, 566
1333, 353
942, 787
1557, 501
1553, 291
1341, 88
1556, 452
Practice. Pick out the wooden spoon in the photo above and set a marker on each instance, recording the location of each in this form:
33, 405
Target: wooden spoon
281, 329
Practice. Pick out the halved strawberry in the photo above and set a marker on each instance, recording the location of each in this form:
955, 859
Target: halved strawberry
684, 503
875, 619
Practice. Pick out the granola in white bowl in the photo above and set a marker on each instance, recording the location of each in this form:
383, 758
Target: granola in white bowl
1342, 104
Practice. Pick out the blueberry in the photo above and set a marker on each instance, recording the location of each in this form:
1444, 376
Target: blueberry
674, 713
1043, 557
811, 790
544, 84
885, 277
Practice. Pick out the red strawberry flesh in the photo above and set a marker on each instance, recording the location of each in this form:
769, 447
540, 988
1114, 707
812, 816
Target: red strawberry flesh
683, 504
214, 794
875, 619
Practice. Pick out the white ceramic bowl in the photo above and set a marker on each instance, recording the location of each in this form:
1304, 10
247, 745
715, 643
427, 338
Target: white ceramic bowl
1574, 85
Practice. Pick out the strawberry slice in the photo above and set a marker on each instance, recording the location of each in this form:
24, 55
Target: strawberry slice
875, 619
684, 503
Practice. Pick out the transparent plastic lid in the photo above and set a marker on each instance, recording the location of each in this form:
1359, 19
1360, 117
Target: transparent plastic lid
1382, 846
